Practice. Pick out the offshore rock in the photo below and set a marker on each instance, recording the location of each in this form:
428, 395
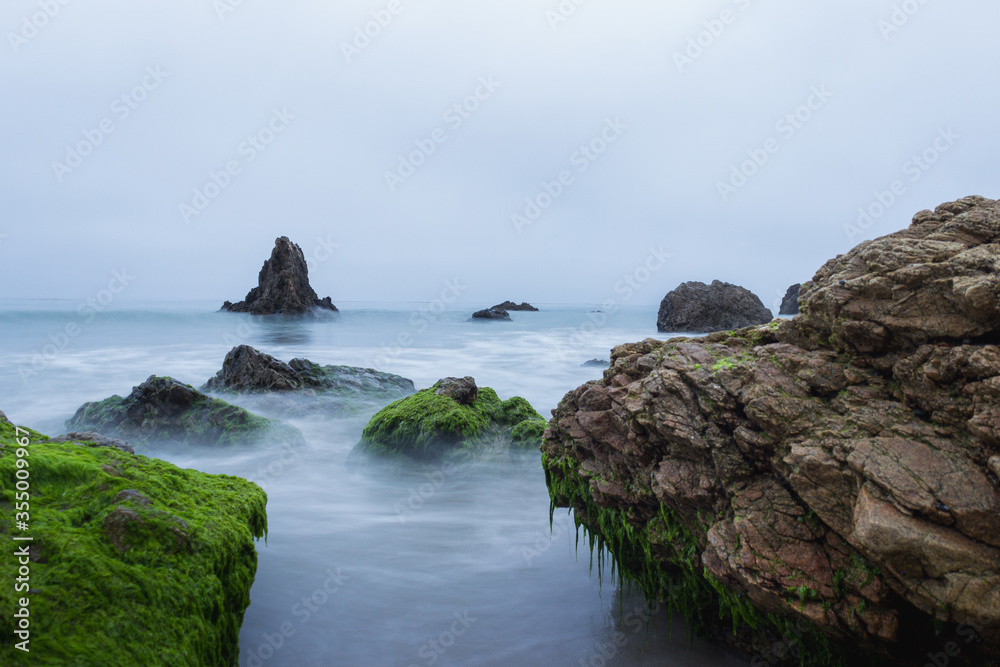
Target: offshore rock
282, 286
695, 307
831, 481
492, 314
164, 411
790, 304
510, 305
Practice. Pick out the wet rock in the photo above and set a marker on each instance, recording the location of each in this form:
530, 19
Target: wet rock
695, 307
282, 286
491, 314
596, 363
96, 439
840, 469
510, 305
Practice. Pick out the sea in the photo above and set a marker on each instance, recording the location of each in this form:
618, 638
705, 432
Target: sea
414, 565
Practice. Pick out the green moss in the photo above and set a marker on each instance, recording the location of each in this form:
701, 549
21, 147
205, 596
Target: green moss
161, 578
426, 425
206, 421
662, 557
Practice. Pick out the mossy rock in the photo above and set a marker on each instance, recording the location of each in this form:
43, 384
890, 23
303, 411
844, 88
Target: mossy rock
162, 410
453, 416
133, 561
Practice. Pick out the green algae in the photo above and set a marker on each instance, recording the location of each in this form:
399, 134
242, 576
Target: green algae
160, 575
662, 557
205, 421
426, 425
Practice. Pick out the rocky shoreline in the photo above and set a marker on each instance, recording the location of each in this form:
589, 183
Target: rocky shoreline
828, 484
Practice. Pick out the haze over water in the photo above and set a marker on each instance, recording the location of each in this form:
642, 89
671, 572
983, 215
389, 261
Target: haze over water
382, 565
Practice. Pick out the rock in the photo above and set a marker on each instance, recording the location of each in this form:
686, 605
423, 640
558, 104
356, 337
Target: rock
131, 558
302, 387
510, 305
837, 471
490, 314
699, 308
452, 418
162, 410
462, 390
938, 280
596, 363
97, 440
790, 304
282, 286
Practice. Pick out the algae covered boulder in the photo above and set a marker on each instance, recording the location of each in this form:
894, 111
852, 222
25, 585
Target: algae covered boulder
302, 387
455, 416
121, 559
162, 410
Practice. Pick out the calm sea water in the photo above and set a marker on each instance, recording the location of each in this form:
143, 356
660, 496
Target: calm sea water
410, 566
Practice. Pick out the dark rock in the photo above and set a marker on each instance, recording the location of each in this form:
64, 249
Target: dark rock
596, 363
699, 308
282, 286
164, 410
510, 305
301, 387
462, 390
490, 314
96, 439
790, 304
838, 471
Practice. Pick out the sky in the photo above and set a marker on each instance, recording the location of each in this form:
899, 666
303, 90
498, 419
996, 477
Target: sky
581, 151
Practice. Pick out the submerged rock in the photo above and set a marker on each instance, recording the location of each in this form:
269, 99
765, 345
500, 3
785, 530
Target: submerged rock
301, 386
790, 304
834, 476
492, 314
282, 286
596, 363
132, 561
162, 410
699, 308
510, 305
455, 416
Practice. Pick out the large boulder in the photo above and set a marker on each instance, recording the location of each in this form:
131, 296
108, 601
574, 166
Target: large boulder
132, 561
301, 386
282, 286
829, 484
164, 411
790, 304
455, 417
695, 307
510, 305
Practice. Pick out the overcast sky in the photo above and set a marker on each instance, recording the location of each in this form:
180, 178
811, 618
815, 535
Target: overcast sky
318, 122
